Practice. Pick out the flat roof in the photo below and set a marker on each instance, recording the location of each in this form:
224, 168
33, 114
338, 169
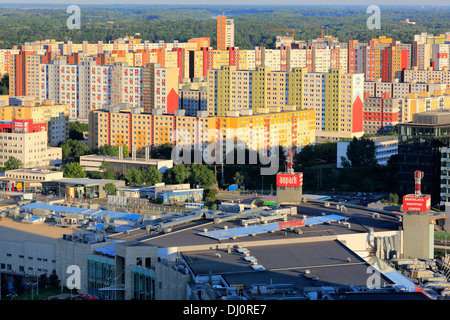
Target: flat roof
12, 230
124, 159
35, 171
329, 262
190, 234
83, 181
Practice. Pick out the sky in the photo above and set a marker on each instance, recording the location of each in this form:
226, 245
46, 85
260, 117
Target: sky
238, 2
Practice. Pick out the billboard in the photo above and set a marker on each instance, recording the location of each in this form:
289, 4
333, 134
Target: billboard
289, 180
414, 203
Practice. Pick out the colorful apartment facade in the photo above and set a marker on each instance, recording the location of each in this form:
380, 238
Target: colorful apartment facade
27, 141
55, 116
271, 127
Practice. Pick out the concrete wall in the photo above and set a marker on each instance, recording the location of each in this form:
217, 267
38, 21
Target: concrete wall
29, 255
416, 235
74, 253
127, 256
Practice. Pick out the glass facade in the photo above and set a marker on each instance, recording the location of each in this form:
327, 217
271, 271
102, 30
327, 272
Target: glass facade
143, 283
445, 176
101, 274
420, 149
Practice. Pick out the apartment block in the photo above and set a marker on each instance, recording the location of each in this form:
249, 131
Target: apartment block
55, 116
5, 60
193, 100
440, 56
427, 76
24, 74
27, 141
159, 88
421, 55
381, 114
225, 33
397, 89
423, 102
394, 61
117, 125
344, 98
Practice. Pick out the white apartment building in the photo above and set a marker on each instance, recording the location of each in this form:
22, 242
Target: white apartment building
29, 145
89, 86
385, 148
440, 56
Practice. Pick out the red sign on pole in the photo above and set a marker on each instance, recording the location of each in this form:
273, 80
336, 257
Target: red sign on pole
290, 180
418, 204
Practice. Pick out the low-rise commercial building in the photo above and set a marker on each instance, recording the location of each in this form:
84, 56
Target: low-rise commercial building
120, 165
82, 188
27, 180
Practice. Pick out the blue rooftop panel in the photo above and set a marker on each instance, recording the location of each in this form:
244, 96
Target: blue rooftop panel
98, 213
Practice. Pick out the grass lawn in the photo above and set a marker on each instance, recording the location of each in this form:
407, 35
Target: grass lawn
43, 293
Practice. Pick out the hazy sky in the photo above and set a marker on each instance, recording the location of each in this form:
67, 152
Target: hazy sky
241, 2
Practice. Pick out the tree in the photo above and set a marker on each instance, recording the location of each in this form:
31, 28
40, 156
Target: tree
152, 176
76, 130
74, 170
238, 179
72, 150
134, 177
179, 173
110, 189
306, 156
202, 175
106, 150
125, 151
4, 85
42, 281
163, 151
18, 285
53, 279
13, 163
105, 166
361, 153
209, 194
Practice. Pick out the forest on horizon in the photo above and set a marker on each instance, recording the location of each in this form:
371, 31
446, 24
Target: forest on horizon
21, 23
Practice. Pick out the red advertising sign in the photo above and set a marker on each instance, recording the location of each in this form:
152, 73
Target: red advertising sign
419, 204
289, 180
292, 224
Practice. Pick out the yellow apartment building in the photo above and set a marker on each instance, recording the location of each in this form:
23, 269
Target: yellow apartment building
274, 126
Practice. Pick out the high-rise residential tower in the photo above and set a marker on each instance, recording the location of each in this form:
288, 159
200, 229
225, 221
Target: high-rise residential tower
225, 33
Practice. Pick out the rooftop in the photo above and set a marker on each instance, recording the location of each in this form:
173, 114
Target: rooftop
84, 181
432, 118
302, 264
117, 159
12, 230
